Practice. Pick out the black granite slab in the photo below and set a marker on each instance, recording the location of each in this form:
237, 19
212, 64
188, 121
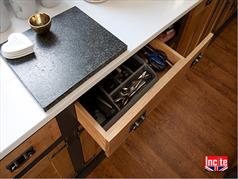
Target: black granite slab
75, 49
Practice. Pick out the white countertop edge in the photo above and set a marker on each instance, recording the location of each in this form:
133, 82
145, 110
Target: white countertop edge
74, 95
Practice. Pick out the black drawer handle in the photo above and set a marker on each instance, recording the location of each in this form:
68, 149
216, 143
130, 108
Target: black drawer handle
15, 164
208, 2
137, 123
198, 59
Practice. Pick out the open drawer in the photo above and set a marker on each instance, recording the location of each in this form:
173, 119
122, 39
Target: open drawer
109, 140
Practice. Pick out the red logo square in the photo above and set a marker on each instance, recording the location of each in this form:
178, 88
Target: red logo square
216, 163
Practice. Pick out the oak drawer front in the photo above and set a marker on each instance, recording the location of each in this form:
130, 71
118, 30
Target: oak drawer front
111, 139
32, 148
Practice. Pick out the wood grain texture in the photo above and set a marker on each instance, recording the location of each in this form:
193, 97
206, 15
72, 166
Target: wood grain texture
43, 169
172, 55
40, 141
56, 164
195, 27
111, 139
61, 161
215, 17
228, 10
89, 146
198, 118
91, 125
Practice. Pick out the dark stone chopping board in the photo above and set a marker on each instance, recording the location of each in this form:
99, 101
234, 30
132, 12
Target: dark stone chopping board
75, 49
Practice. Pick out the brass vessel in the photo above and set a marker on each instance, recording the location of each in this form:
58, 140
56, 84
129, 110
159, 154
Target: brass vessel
40, 22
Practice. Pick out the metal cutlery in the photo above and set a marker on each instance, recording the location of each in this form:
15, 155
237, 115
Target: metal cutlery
127, 92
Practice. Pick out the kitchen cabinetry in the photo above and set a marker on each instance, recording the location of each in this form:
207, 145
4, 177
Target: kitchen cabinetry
90, 148
29, 150
224, 11
57, 162
109, 140
42, 169
195, 26
54, 165
94, 138
207, 17
32, 159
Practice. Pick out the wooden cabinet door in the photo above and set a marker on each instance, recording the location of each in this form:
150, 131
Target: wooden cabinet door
196, 24
57, 164
89, 147
43, 169
227, 10
39, 142
215, 17
61, 161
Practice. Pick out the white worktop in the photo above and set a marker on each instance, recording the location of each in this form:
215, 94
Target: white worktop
135, 22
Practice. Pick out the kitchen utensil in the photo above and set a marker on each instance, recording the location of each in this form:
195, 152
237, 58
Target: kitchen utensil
104, 102
160, 51
128, 92
133, 65
109, 84
121, 73
105, 108
156, 59
23, 8
40, 22
5, 21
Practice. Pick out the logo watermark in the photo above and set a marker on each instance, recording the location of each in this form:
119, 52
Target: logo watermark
216, 163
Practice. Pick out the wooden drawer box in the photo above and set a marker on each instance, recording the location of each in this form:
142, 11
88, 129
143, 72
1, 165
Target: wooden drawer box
109, 140
36, 144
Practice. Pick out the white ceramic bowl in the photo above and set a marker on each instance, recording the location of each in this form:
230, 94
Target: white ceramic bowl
95, 1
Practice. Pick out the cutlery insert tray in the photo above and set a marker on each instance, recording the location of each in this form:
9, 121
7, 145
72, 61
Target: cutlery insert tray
117, 92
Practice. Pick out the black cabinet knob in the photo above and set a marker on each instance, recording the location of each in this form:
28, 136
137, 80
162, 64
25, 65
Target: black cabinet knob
208, 2
137, 123
15, 164
198, 59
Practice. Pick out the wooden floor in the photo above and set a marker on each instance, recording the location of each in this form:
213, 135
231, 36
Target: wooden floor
199, 118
